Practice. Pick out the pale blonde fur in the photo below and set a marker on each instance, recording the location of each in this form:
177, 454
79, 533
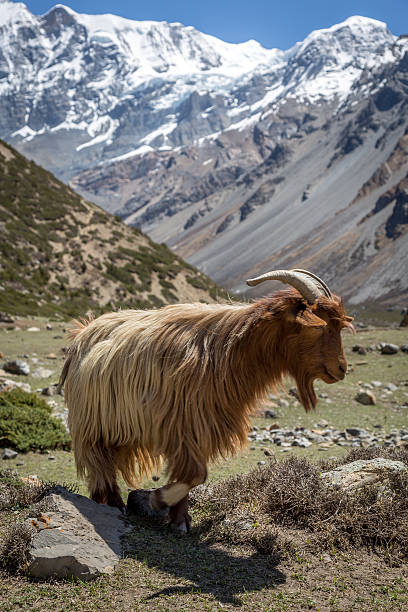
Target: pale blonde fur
177, 384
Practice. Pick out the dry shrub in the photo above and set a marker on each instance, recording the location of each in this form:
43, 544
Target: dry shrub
16, 493
288, 503
15, 546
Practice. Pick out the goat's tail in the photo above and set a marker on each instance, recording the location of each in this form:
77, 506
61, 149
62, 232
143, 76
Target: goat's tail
79, 325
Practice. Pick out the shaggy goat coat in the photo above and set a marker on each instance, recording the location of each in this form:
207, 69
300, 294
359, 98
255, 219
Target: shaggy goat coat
177, 383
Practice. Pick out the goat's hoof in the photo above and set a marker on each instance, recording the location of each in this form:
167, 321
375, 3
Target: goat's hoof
180, 528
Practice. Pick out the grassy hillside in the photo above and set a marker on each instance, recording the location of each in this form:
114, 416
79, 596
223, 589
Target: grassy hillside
61, 255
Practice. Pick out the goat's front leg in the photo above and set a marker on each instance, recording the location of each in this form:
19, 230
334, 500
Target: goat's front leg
175, 497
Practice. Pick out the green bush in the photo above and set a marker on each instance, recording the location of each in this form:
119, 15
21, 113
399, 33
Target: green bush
26, 423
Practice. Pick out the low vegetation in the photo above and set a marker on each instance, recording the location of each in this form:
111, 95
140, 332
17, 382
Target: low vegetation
61, 256
286, 506
26, 423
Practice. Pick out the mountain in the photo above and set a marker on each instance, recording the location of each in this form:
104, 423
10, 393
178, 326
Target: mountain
238, 157
61, 255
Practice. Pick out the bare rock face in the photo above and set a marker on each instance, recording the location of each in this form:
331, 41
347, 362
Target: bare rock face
76, 538
363, 472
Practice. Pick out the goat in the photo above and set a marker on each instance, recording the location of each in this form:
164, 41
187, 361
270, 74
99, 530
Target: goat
180, 383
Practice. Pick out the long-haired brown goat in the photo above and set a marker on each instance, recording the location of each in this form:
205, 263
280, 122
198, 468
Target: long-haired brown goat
179, 383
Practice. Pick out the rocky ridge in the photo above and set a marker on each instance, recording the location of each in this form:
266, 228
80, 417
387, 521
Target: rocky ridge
61, 255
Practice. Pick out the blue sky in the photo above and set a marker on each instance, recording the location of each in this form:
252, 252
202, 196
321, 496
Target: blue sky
274, 23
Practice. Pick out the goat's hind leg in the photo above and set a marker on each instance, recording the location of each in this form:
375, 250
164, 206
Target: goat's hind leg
101, 477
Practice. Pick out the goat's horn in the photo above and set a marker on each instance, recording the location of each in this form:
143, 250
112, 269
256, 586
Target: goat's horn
307, 283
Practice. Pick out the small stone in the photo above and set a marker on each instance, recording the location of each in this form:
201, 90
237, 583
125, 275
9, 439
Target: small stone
8, 453
301, 442
50, 391
376, 383
17, 366
365, 397
389, 349
362, 351
51, 356
261, 462
391, 387
33, 329
48, 326
268, 453
283, 403
42, 373
270, 414
404, 348
357, 432
322, 423
51, 458
8, 385
6, 318
274, 426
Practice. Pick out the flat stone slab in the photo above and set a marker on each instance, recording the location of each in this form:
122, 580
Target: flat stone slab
76, 538
363, 472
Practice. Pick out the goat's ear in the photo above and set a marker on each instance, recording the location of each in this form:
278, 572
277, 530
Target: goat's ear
308, 319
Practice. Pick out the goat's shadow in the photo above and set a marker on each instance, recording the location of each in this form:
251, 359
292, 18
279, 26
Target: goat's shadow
211, 568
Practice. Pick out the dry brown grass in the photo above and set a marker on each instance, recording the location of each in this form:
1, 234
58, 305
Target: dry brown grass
281, 507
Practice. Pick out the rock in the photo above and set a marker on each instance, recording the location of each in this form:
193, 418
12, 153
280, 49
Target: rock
6, 318
48, 326
294, 392
389, 349
391, 387
8, 385
51, 356
50, 391
274, 426
283, 403
356, 432
362, 351
33, 329
302, 442
261, 462
404, 348
365, 397
138, 504
76, 538
268, 453
356, 348
8, 453
17, 366
376, 383
363, 472
270, 414
42, 373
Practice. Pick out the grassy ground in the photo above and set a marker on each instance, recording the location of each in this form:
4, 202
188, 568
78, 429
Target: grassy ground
165, 572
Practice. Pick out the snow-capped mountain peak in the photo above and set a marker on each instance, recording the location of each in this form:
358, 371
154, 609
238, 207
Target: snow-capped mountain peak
113, 85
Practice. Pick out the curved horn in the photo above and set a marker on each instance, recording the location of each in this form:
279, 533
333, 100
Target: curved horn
309, 285
325, 288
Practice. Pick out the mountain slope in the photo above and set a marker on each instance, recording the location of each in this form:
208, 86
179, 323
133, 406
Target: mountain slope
62, 255
237, 157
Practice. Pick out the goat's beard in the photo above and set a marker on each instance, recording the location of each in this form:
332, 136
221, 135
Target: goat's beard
306, 391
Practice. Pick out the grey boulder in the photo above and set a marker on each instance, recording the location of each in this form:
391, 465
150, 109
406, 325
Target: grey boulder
363, 472
76, 538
